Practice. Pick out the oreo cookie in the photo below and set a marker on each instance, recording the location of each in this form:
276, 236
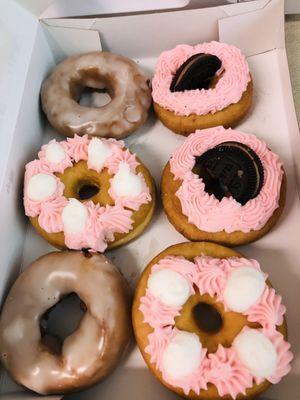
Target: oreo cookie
231, 169
197, 72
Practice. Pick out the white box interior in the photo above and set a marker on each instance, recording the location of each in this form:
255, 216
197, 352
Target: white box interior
257, 28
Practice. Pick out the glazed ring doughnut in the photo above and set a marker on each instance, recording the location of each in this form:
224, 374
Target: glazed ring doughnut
209, 325
223, 186
198, 87
93, 350
127, 86
88, 193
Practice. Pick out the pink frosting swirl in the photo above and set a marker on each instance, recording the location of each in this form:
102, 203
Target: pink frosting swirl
50, 215
157, 342
205, 211
55, 167
157, 314
179, 264
228, 90
223, 368
227, 372
268, 311
284, 356
77, 147
122, 156
102, 222
134, 203
212, 273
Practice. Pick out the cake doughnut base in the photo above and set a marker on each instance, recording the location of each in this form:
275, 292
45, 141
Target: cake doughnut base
142, 330
173, 209
228, 117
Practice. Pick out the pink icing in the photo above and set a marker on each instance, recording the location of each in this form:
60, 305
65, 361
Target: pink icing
102, 222
59, 167
157, 342
134, 203
212, 274
227, 373
284, 355
98, 230
122, 156
77, 147
223, 368
269, 311
50, 214
179, 264
32, 207
205, 211
228, 90
157, 314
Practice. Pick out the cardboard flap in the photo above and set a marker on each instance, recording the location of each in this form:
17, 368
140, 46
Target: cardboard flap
65, 41
266, 26
72, 8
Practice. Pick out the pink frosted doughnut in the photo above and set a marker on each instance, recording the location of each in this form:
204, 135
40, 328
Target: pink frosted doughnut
192, 315
88, 193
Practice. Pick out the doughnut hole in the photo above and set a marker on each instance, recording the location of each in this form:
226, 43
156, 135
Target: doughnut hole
91, 89
215, 326
55, 329
85, 184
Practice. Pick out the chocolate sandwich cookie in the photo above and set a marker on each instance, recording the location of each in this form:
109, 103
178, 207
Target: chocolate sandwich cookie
231, 169
197, 72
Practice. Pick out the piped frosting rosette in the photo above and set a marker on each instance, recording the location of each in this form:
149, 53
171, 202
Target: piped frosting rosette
256, 354
228, 90
84, 224
207, 212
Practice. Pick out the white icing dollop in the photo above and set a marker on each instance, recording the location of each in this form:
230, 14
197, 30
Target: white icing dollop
182, 355
171, 288
98, 153
243, 288
125, 183
256, 352
74, 217
41, 186
55, 153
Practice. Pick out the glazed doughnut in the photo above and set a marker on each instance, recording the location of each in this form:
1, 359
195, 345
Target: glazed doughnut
88, 194
127, 85
198, 87
209, 325
223, 186
93, 350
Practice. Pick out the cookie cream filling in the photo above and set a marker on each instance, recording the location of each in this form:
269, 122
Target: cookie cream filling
204, 210
84, 224
228, 90
255, 355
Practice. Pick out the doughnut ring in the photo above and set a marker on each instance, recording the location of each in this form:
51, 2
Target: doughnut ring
127, 86
92, 351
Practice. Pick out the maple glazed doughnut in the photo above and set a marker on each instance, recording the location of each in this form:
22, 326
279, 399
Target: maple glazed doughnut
88, 354
126, 84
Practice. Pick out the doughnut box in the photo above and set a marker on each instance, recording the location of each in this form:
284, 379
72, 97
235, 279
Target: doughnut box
33, 44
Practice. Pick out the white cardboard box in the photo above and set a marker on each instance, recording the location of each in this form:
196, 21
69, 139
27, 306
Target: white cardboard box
32, 47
